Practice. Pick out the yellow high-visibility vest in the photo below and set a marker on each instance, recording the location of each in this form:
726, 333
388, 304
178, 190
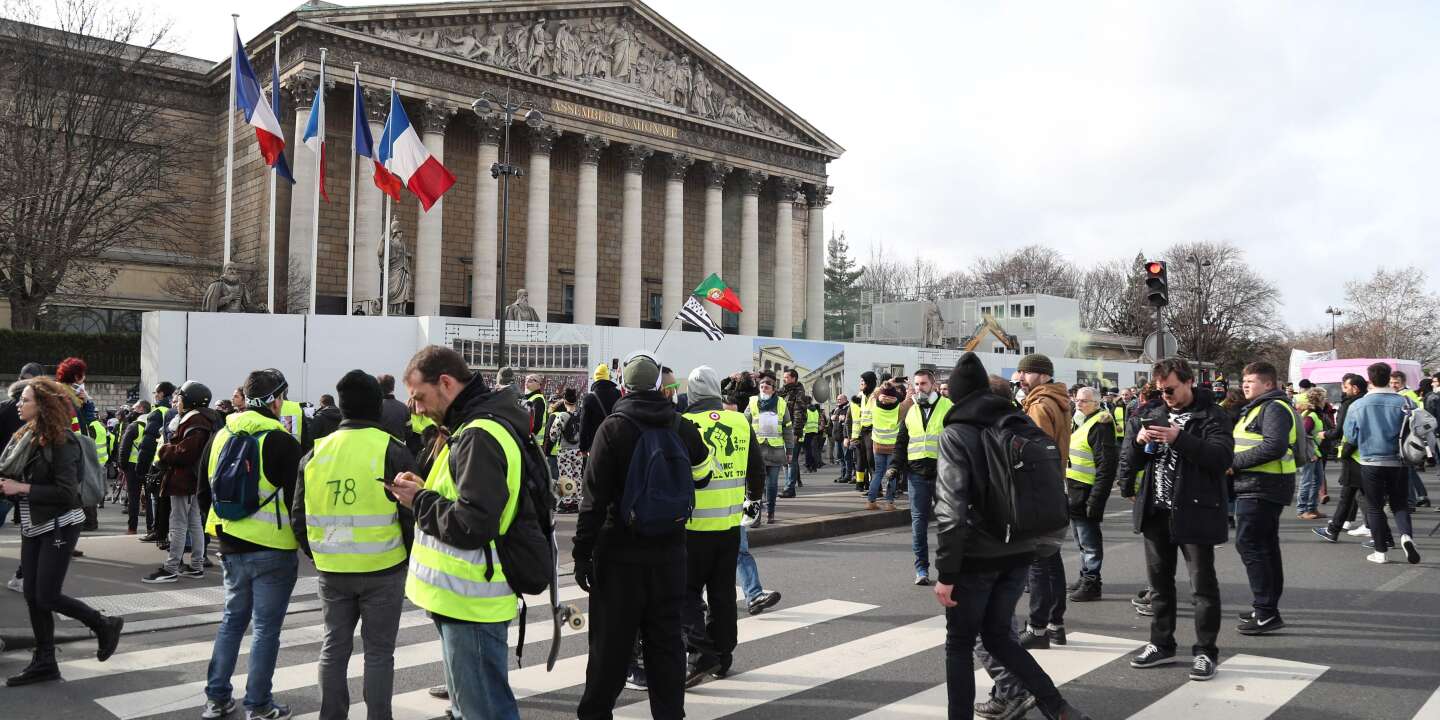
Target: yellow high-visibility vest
812, 421
1246, 440
352, 526
885, 424
718, 505
102, 441
451, 581
777, 439
1082, 456
270, 525
134, 458
292, 418
925, 437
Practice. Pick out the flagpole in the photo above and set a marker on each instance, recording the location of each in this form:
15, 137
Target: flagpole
274, 175
666, 333
230, 135
354, 110
385, 263
319, 178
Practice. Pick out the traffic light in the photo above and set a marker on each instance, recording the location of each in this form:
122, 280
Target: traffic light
1157, 283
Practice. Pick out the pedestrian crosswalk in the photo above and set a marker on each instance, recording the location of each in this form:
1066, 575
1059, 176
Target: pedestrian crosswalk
167, 682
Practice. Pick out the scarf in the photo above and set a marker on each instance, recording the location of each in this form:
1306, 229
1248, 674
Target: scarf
16, 454
771, 405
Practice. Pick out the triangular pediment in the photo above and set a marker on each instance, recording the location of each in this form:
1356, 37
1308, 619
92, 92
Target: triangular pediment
620, 49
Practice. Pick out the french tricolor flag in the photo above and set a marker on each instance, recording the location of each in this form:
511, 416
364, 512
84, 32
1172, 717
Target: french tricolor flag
315, 134
250, 99
365, 145
406, 159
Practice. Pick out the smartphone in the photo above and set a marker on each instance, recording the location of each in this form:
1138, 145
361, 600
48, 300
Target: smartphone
1155, 422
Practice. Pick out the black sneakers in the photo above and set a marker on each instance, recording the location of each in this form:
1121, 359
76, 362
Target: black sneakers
196, 573
1087, 591
1256, 625
1031, 639
160, 576
763, 601
997, 709
700, 669
1203, 668
1152, 656
108, 636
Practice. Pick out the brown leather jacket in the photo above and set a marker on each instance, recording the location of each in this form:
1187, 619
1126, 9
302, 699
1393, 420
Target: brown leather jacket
1049, 406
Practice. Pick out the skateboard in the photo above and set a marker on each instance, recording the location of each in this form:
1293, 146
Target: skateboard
562, 615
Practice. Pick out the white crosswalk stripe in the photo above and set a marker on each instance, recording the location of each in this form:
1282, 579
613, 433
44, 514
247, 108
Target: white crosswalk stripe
569, 672
1245, 687
1063, 663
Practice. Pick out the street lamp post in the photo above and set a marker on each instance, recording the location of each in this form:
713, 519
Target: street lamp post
1200, 315
1334, 313
487, 104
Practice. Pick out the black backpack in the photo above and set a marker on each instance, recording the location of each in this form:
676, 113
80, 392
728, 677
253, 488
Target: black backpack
570, 431
1025, 495
659, 495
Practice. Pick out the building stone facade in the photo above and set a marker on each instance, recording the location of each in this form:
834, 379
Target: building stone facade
656, 164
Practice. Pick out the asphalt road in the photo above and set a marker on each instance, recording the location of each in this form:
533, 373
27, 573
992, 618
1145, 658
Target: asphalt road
854, 638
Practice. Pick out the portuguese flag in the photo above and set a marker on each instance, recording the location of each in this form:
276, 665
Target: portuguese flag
716, 291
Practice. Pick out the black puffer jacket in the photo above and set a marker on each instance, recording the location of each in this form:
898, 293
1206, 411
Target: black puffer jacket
1206, 449
594, 408
963, 545
1274, 422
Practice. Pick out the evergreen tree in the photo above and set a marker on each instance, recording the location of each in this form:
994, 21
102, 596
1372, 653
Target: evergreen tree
842, 291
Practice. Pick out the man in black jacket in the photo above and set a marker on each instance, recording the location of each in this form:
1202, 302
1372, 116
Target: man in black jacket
129, 453
980, 576
1087, 485
636, 583
150, 441
1267, 443
596, 405
394, 416
1353, 387
1184, 449
326, 419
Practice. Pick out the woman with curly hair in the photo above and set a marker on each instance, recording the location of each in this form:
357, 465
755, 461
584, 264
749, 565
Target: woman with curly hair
40, 469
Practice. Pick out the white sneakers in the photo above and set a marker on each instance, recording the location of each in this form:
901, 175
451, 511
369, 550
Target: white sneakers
1377, 557
1361, 531
1411, 553
1347, 527
15, 584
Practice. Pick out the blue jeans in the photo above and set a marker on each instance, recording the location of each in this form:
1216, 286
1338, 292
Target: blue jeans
1417, 486
477, 670
882, 462
257, 588
745, 570
1047, 591
772, 487
1309, 497
985, 608
922, 509
1092, 547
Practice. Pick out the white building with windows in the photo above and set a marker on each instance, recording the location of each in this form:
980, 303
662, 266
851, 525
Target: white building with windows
1017, 324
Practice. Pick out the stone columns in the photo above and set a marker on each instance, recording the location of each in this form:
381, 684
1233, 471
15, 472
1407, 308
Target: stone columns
537, 220
784, 276
587, 234
750, 184
302, 197
369, 207
673, 263
714, 256
818, 197
484, 244
434, 118
631, 278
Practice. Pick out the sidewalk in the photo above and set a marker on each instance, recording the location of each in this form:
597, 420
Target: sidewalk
108, 576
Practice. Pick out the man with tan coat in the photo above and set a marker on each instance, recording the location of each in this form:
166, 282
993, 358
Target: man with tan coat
1048, 404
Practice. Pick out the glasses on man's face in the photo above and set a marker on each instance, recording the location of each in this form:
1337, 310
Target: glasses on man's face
1168, 391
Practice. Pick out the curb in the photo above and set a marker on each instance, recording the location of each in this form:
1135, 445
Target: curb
824, 526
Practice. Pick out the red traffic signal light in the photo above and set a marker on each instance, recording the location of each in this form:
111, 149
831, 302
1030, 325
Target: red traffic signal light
1157, 283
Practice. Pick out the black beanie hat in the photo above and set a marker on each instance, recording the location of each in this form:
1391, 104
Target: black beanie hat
968, 376
360, 396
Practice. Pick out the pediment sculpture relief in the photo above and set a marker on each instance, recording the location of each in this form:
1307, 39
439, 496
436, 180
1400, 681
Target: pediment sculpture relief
606, 54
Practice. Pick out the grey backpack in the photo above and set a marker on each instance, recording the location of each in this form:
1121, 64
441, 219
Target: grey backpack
1415, 436
92, 474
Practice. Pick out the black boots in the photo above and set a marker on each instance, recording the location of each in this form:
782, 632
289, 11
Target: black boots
42, 668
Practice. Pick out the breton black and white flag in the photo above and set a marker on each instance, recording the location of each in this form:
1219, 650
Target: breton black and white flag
694, 313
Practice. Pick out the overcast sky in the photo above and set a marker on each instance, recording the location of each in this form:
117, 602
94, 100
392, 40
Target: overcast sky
1304, 132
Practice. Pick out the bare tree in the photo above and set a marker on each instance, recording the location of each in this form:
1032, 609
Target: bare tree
88, 162
1033, 268
1220, 310
1390, 315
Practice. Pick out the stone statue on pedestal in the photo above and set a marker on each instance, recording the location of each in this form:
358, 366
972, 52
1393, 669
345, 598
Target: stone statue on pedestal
934, 326
521, 311
400, 265
228, 293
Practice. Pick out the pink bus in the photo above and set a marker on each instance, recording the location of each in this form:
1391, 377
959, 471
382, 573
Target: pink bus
1327, 373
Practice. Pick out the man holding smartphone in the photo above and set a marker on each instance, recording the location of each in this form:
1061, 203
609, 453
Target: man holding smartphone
1183, 447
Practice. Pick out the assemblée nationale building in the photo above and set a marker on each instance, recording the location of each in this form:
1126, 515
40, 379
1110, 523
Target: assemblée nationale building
656, 164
